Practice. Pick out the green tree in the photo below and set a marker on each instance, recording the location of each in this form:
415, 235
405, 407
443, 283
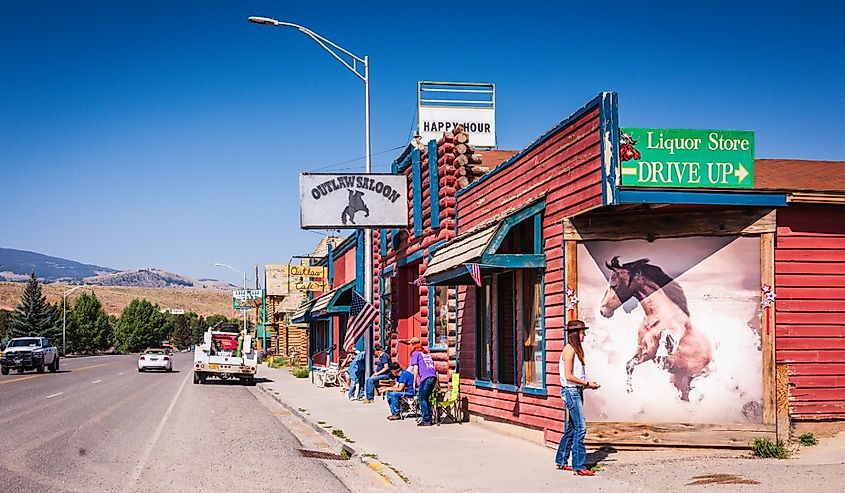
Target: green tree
33, 316
5, 319
213, 320
88, 327
141, 325
182, 335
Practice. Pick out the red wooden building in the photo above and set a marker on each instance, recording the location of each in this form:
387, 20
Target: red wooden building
554, 217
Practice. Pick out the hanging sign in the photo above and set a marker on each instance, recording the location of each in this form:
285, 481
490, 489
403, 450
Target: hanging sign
372, 200
442, 106
678, 158
284, 279
246, 299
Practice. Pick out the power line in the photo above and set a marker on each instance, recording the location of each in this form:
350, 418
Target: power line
358, 158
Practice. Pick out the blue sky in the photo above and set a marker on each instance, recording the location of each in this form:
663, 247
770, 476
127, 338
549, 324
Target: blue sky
171, 134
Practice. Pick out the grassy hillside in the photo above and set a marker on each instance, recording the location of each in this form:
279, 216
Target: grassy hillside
115, 298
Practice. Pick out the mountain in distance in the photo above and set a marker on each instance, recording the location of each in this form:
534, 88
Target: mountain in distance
16, 265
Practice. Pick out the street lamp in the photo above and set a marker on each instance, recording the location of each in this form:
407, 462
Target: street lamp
218, 264
64, 315
330, 47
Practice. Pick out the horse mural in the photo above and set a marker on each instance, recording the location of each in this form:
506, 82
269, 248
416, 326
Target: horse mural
356, 204
666, 334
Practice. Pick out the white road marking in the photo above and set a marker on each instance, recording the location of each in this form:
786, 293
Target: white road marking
121, 373
54, 395
139, 469
96, 381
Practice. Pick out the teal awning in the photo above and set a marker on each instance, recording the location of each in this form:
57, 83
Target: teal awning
480, 246
330, 303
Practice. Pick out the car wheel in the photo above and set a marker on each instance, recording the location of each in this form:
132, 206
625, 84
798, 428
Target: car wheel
169, 369
54, 365
4, 370
140, 369
196, 378
40, 368
57, 363
20, 371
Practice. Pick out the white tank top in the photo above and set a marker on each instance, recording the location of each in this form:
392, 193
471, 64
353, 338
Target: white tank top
578, 371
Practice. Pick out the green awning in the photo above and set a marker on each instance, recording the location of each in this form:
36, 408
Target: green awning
330, 303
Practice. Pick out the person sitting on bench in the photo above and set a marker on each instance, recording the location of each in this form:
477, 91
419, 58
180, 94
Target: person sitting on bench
404, 386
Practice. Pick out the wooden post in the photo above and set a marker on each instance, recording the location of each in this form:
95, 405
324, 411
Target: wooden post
767, 329
570, 259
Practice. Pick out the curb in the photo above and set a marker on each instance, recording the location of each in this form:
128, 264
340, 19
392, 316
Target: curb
385, 471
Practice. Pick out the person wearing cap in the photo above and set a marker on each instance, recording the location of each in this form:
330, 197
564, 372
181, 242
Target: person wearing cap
404, 386
425, 376
381, 372
573, 381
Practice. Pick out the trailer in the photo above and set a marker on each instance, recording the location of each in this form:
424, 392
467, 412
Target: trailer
224, 355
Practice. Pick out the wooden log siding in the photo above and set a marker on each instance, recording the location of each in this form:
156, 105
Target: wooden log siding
566, 170
810, 309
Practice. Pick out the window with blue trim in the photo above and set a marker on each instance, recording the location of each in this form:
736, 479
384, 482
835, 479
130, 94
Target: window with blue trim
533, 337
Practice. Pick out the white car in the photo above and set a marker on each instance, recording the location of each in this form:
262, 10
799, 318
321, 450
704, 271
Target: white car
155, 359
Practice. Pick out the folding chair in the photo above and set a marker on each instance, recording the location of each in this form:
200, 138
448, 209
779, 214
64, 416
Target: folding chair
410, 405
450, 407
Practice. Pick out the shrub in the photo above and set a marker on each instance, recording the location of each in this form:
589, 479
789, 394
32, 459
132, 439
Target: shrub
301, 373
277, 362
808, 439
765, 448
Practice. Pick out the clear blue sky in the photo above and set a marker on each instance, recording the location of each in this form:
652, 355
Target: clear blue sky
171, 134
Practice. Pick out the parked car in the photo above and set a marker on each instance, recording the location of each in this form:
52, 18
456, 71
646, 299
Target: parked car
29, 353
155, 359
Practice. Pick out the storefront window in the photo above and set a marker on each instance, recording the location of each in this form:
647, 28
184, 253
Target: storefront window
484, 353
532, 351
440, 317
506, 334
386, 303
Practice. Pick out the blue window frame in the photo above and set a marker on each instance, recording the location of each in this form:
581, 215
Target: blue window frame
438, 317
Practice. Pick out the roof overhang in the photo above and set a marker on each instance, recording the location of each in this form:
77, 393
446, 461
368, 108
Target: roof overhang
330, 303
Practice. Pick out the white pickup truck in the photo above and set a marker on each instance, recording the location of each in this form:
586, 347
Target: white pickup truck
29, 353
225, 355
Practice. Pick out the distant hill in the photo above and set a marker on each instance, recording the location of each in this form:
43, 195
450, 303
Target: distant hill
17, 265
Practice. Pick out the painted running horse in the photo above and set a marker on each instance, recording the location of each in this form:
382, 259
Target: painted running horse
666, 334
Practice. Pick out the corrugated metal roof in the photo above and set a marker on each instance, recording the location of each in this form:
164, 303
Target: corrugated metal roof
300, 313
461, 250
322, 303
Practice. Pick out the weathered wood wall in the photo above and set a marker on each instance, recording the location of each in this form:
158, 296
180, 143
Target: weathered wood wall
810, 309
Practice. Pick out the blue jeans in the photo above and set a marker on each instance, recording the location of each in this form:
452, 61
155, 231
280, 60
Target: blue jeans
394, 400
574, 430
371, 384
356, 377
426, 387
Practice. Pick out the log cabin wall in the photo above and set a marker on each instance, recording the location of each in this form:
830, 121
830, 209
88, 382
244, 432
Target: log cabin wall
433, 177
810, 309
564, 166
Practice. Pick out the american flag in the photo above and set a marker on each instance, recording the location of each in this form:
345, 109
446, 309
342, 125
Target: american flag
474, 272
420, 281
361, 315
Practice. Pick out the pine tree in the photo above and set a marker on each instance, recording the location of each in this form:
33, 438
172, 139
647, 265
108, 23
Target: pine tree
33, 316
141, 325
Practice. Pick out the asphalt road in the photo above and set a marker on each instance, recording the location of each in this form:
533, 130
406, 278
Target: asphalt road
99, 425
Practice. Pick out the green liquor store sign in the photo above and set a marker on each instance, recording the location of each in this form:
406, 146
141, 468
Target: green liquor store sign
677, 158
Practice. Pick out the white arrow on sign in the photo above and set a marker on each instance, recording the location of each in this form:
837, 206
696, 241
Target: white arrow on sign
741, 173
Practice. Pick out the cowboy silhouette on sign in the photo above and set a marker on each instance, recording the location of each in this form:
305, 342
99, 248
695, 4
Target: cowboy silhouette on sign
356, 204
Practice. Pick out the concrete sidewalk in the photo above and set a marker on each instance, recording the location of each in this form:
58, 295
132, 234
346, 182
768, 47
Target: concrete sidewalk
450, 457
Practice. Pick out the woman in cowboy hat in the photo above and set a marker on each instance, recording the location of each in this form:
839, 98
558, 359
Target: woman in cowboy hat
573, 381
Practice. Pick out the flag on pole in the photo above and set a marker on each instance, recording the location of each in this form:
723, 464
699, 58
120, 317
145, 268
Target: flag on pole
420, 281
361, 315
474, 272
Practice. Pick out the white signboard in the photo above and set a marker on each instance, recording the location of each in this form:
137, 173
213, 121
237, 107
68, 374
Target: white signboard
479, 123
442, 106
338, 201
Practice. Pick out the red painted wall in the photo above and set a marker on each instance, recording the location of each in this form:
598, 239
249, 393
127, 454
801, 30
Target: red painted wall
566, 170
810, 308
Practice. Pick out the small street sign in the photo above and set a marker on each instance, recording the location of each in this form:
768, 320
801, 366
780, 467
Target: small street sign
680, 158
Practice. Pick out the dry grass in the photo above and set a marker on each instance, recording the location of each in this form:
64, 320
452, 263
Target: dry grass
114, 298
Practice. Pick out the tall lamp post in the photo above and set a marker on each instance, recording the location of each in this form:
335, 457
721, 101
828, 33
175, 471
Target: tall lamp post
330, 47
64, 315
218, 264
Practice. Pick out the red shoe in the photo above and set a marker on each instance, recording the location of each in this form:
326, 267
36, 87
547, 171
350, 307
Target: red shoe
565, 468
584, 472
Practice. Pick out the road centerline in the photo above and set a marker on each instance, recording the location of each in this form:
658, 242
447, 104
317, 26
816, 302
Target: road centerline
54, 395
96, 381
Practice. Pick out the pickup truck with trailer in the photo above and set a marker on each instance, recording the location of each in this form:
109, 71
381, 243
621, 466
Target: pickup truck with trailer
29, 353
225, 354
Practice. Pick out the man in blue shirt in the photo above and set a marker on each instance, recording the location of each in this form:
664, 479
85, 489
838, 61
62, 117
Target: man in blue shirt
404, 386
382, 372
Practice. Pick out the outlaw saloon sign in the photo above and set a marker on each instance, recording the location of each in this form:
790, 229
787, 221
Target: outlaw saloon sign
677, 158
372, 200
